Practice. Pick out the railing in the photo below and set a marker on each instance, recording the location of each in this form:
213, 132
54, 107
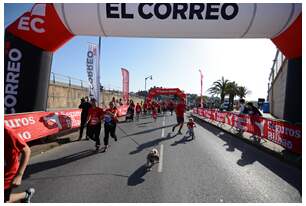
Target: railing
277, 65
56, 78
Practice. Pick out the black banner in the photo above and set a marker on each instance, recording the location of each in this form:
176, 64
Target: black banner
26, 76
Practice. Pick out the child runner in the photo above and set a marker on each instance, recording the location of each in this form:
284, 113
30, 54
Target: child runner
190, 126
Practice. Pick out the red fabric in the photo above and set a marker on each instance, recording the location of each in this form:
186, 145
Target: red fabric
13, 146
96, 115
52, 32
282, 133
290, 41
34, 125
145, 106
138, 108
190, 124
125, 83
180, 109
114, 111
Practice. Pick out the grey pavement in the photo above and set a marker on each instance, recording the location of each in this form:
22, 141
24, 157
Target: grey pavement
214, 167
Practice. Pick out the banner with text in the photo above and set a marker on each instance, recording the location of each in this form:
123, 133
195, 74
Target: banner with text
35, 125
282, 133
125, 84
92, 68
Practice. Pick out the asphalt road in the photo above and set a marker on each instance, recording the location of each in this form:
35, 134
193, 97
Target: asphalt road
215, 167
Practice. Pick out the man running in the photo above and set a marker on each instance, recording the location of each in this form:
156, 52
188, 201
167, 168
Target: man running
15, 167
180, 109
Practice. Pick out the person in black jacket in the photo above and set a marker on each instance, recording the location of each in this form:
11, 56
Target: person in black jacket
253, 110
85, 105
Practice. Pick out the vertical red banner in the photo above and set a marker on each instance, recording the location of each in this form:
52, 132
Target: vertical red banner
125, 83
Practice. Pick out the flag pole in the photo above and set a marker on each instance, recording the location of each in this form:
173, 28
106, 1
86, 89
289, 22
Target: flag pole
99, 71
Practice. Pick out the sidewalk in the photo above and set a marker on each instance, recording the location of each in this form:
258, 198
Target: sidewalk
265, 145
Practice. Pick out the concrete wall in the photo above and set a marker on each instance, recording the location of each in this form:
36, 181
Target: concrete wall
63, 96
285, 94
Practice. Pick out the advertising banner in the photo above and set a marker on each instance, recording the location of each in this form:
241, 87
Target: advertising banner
92, 69
34, 125
125, 84
282, 133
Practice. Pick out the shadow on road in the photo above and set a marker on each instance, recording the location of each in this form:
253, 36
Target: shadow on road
152, 143
250, 154
184, 140
41, 166
137, 177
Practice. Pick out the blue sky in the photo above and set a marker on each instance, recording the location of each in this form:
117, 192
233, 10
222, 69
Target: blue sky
172, 62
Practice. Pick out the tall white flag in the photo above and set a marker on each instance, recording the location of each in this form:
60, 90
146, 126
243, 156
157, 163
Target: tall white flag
92, 69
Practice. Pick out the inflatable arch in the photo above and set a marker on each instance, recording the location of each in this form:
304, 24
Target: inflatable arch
31, 40
166, 91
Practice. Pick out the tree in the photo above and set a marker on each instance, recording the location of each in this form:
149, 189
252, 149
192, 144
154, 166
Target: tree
219, 88
242, 92
232, 90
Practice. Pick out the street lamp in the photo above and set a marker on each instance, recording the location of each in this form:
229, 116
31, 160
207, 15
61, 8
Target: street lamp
149, 77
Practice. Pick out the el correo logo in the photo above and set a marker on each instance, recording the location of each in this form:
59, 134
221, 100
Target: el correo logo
27, 23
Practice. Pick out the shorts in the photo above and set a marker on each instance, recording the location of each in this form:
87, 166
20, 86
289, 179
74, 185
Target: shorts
7, 193
180, 119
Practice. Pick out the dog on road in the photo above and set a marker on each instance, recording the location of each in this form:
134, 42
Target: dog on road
152, 158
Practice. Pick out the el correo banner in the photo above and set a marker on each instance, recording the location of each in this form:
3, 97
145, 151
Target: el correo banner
193, 20
93, 72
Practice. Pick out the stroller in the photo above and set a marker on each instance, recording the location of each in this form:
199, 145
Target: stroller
129, 114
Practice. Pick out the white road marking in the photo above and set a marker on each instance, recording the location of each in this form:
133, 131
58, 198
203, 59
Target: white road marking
163, 129
161, 152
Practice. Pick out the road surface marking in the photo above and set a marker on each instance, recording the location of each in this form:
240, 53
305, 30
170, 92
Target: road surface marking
160, 165
163, 129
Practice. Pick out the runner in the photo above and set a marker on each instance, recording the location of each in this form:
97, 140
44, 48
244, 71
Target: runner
110, 123
180, 109
154, 111
95, 115
15, 167
138, 111
145, 108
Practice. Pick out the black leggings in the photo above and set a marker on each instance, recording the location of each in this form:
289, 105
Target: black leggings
109, 129
93, 132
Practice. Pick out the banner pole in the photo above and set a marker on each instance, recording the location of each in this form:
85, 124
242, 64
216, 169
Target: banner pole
99, 89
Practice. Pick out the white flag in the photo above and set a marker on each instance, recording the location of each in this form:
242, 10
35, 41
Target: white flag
92, 69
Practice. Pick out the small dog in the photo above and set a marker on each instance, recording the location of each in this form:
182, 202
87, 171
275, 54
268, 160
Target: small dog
152, 158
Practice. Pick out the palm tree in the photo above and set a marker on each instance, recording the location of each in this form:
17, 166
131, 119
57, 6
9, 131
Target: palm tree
219, 88
231, 90
242, 92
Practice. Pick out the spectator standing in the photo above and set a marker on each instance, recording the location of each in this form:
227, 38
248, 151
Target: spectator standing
85, 105
14, 167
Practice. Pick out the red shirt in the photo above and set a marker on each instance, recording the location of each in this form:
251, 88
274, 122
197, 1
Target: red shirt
145, 106
96, 115
13, 145
190, 124
114, 118
138, 108
180, 109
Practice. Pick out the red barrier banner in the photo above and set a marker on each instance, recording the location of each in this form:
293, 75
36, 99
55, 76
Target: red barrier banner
122, 110
282, 133
35, 125
31, 126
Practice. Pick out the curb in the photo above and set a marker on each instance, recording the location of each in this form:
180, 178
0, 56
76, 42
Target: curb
292, 159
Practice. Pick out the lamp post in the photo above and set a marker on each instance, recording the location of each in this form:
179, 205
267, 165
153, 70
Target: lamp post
149, 77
